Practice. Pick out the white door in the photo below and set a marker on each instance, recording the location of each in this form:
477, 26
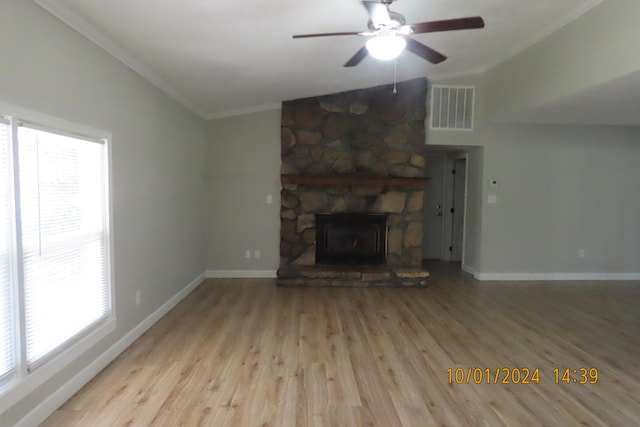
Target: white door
433, 206
457, 221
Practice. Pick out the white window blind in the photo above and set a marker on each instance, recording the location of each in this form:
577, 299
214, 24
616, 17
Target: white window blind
7, 326
62, 207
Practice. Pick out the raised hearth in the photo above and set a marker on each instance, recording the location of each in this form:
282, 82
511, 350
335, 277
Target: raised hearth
349, 276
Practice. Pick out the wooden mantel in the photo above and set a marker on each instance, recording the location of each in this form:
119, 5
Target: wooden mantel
363, 180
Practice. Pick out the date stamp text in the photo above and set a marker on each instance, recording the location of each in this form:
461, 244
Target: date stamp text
523, 375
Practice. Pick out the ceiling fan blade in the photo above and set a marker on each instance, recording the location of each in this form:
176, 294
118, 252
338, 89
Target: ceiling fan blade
378, 12
423, 51
448, 25
358, 57
346, 33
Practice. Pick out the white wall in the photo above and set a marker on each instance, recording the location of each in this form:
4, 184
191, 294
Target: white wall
158, 164
243, 169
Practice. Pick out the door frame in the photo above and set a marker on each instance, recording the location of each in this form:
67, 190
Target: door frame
447, 223
435, 195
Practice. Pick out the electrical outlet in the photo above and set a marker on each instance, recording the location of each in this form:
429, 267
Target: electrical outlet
581, 253
247, 254
257, 254
269, 199
138, 297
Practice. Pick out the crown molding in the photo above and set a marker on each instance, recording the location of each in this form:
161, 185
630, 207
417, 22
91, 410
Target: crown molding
243, 111
87, 30
73, 20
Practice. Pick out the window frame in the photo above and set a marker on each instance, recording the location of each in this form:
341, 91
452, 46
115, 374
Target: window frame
25, 380
5, 121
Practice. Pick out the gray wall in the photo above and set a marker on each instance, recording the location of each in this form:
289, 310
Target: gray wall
562, 188
594, 49
158, 163
243, 166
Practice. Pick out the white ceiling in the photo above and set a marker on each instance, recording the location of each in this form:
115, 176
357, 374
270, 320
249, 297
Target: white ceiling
223, 58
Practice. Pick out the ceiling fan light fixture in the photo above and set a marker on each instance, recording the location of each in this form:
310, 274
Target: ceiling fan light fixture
406, 30
386, 46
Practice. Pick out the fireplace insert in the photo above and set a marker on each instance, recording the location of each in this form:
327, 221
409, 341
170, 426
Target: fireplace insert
351, 238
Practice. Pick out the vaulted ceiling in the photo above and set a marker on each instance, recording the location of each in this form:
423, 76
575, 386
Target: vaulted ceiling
222, 58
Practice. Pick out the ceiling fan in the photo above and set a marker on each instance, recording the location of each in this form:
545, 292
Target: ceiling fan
389, 34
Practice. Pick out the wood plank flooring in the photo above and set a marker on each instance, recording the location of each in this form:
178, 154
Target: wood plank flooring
242, 352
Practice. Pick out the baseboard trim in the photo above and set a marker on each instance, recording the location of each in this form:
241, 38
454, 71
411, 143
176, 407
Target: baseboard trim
556, 276
38, 414
234, 274
468, 269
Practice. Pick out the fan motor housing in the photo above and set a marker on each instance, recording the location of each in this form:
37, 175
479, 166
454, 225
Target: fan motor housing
396, 21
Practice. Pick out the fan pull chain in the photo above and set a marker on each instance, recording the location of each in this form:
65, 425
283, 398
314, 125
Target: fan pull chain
395, 75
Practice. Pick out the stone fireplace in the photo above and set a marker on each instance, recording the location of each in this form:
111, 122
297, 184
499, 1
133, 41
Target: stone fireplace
352, 156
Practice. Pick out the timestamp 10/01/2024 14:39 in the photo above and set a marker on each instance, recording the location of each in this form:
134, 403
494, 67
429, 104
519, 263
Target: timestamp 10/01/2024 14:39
505, 375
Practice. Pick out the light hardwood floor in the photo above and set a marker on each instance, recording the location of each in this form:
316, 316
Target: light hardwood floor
246, 353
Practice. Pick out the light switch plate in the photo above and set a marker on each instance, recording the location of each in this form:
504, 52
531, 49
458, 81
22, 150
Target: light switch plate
492, 198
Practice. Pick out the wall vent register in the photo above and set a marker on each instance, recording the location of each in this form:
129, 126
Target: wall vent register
452, 107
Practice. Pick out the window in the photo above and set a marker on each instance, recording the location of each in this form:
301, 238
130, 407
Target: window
54, 272
7, 328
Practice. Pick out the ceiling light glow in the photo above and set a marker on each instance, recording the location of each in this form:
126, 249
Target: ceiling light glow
386, 46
